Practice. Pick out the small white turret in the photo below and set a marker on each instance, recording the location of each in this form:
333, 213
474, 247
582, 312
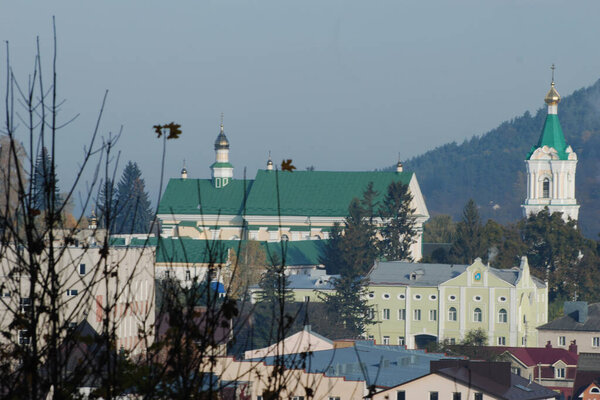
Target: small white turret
270, 163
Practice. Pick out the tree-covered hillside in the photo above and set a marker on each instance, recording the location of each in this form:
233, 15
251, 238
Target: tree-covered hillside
491, 169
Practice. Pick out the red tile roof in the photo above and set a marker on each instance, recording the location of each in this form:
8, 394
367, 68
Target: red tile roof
531, 356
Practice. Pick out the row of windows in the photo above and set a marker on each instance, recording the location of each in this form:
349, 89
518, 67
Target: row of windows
401, 395
402, 296
562, 341
452, 315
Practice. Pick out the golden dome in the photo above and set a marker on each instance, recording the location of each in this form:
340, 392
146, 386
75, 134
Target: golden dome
552, 97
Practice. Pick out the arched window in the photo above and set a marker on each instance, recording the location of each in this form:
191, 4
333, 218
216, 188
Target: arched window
477, 315
452, 314
502, 316
546, 188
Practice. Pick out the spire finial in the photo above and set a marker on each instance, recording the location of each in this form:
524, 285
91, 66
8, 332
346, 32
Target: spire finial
222, 115
552, 68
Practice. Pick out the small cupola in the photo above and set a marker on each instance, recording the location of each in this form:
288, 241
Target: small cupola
184, 173
222, 170
270, 163
93, 220
399, 166
222, 143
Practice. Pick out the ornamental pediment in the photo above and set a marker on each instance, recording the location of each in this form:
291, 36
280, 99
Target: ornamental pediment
545, 153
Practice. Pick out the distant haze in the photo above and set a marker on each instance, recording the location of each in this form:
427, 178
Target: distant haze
341, 85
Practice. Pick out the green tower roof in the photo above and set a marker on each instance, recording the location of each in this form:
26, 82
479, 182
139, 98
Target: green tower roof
552, 136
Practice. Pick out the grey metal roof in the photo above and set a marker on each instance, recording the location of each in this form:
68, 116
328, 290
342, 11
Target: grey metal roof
413, 274
383, 366
316, 280
511, 276
569, 322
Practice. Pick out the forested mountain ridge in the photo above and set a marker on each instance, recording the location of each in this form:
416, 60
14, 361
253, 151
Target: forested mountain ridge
491, 168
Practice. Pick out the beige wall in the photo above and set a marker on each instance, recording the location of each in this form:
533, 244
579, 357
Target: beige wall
295, 381
127, 294
584, 340
300, 342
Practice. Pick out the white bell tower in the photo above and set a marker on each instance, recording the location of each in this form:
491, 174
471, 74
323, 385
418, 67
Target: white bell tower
222, 170
551, 165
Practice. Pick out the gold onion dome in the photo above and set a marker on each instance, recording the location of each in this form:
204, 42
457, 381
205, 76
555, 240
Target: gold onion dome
552, 97
221, 142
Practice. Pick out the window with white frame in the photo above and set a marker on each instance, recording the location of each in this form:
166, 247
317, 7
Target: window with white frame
371, 337
386, 340
559, 372
595, 390
188, 275
477, 317
371, 313
401, 341
306, 299
72, 292
562, 341
502, 316
25, 303
417, 297
385, 314
452, 314
385, 296
402, 314
24, 337
596, 341
546, 188
433, 315
417, 315
501, 341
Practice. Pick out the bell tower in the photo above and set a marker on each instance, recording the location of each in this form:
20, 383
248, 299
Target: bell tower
222, 170
551, 165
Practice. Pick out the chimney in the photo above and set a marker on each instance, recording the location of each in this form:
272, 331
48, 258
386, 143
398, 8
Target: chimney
573, 347
578, 310
548, 344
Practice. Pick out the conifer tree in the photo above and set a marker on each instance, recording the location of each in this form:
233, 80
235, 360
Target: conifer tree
107, 205
468, 245
45, 182
133, 212
398, 231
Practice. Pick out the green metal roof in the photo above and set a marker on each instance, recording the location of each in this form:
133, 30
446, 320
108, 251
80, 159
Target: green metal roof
196, 251
192, 224
199, 196
315, 193
221, 165
552, 136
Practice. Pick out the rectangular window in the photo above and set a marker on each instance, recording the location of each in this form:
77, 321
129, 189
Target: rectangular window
386, 340
516, 370
400, 395
371, 313
402, 314
452, 340
188, 275
433, 315
6, 294
72, 292
400, 340
478, 396
456, 396
25, 303
386, 313
562, 341
433, 396
559, 373
452, 314
417, 315
501, 341
81, 269
306, 299
24, 336
334, 398
297, 397
596, 341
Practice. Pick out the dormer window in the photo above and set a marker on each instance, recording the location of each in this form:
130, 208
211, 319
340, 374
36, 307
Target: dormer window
546, 188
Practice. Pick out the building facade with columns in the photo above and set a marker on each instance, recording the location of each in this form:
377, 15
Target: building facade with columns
414, 304
275, 205
551, 165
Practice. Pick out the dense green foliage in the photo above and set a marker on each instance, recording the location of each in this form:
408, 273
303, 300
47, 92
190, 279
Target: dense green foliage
398, 230
490, 168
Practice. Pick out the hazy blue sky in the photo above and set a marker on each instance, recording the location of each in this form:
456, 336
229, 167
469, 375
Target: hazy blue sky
341, 85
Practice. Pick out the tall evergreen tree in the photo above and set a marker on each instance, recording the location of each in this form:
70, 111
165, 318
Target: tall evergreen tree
398, 231
468, 245
134, 214
107, 206
45, 182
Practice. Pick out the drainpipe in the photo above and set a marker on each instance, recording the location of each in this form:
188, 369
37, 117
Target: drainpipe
539, 373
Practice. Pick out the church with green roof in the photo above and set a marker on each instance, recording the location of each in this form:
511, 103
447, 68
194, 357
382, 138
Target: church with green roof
275, 205
551, 165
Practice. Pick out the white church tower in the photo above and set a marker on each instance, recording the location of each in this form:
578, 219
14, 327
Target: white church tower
551, 165
222, 170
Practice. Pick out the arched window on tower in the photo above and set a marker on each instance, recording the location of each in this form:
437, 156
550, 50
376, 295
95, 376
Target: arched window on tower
546, 188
